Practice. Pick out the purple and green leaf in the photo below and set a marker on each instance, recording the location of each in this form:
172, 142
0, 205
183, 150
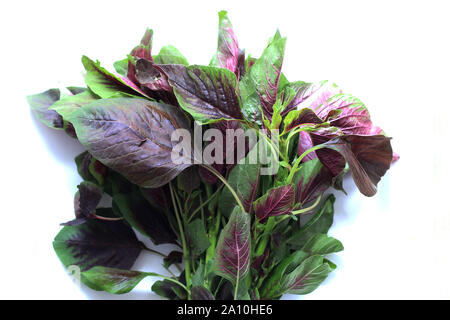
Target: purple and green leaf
40, 104
232, 256
209, 94
306, 277
312, 180
107, 85
227, 48
277, 201
113, 280
69, 104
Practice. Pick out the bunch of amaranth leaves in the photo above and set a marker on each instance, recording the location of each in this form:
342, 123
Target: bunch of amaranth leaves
229, 162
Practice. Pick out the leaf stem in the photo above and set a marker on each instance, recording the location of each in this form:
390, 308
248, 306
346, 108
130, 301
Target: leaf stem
265, 239
187, 267
153, 274
225, 182
299, 159
301, 211
204, 204
106, 218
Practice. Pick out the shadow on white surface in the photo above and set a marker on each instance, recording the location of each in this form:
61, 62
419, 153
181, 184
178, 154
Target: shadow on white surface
61, 146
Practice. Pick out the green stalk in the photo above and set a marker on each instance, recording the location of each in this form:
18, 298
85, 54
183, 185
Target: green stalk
203, 204
265, 239
299, 159
225, 182
153, 274
187, 267
304, 210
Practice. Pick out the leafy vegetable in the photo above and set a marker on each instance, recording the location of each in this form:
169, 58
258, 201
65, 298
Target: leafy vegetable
229, 164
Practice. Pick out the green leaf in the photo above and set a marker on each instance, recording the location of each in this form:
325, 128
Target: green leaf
113, 280
169, 290
244, 179
199, 276
207, 93
264, 77
121, 66
306, 277
320, 223
76, 90
97, 243
126, 135
40, 104
251, 106
232, 256
189, 180
322, 244
197, 237
105, 84
271, 286
170, 55
67, 105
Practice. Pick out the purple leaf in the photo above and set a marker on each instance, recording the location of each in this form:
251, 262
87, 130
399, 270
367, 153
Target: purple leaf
368, 157
277, 201
134, 138
148, 76
232, 256
201, 293
142, 51
141, 215
98, 243
86, 200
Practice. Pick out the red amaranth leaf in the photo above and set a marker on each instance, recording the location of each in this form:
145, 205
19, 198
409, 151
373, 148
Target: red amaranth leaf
207, 93
277, 201
232, 256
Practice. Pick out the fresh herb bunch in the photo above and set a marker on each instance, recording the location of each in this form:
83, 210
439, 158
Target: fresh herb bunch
240, 231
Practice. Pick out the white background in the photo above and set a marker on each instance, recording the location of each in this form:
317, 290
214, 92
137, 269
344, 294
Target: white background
393, 55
